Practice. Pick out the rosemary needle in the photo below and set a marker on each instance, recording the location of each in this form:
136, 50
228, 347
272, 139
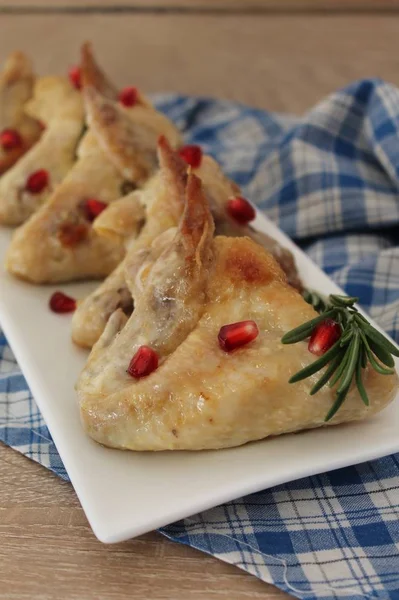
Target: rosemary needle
359, 344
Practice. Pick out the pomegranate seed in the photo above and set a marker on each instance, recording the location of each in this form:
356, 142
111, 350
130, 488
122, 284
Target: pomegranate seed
37, 181
92, 208
42, 125
324, 336
74, 77
192, 154
236, 335
241, 210
144, 362
128, 96
61, 303
10, 139
71, 234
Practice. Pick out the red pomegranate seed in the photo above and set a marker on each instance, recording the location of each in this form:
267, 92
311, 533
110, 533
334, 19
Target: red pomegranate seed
144, 362
93, 207
128, 96
324, 336
192, 154
61, 303
71, 234
10, 139
74, 77
241, 210
236, 335
37, 181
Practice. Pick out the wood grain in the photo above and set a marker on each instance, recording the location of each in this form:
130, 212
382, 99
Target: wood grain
212, 5
48, 551
283, 63
281, 6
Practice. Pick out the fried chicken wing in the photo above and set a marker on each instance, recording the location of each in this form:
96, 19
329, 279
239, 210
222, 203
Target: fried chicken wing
164, 200
220, 189
16, 88
59, 242
201, 396
59, 106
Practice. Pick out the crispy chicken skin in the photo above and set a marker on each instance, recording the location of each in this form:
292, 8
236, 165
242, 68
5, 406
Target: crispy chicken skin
201, 397
219, 190
59, 106
163, 199
38, 252
132, 149
123, 219
16, 88
139, 137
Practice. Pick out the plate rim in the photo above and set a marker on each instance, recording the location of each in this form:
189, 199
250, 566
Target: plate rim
103, 533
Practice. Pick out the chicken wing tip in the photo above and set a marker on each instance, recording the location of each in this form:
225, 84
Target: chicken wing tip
92, 75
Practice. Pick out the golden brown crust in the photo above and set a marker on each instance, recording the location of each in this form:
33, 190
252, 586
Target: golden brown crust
92, 313
10, 157
17, 67
54, 100
173, 173
93, 76
16, 86
123, 219
164, 201
128, 137
163, 198
244, 265
201, 397
196, 220
60, 106
38, 253
170, 161
58, 244
220, 190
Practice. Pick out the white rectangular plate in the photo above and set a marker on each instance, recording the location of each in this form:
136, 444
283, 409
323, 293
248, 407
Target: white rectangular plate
125, 494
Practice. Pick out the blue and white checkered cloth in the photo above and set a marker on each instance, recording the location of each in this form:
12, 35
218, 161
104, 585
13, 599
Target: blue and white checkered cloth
331, 181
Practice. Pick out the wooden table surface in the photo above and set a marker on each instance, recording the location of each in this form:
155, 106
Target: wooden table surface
282, 56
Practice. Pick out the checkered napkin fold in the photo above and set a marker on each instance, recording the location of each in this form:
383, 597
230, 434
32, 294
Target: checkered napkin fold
331, 181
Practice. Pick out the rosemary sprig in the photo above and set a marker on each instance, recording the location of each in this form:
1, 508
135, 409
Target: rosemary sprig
360, 343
